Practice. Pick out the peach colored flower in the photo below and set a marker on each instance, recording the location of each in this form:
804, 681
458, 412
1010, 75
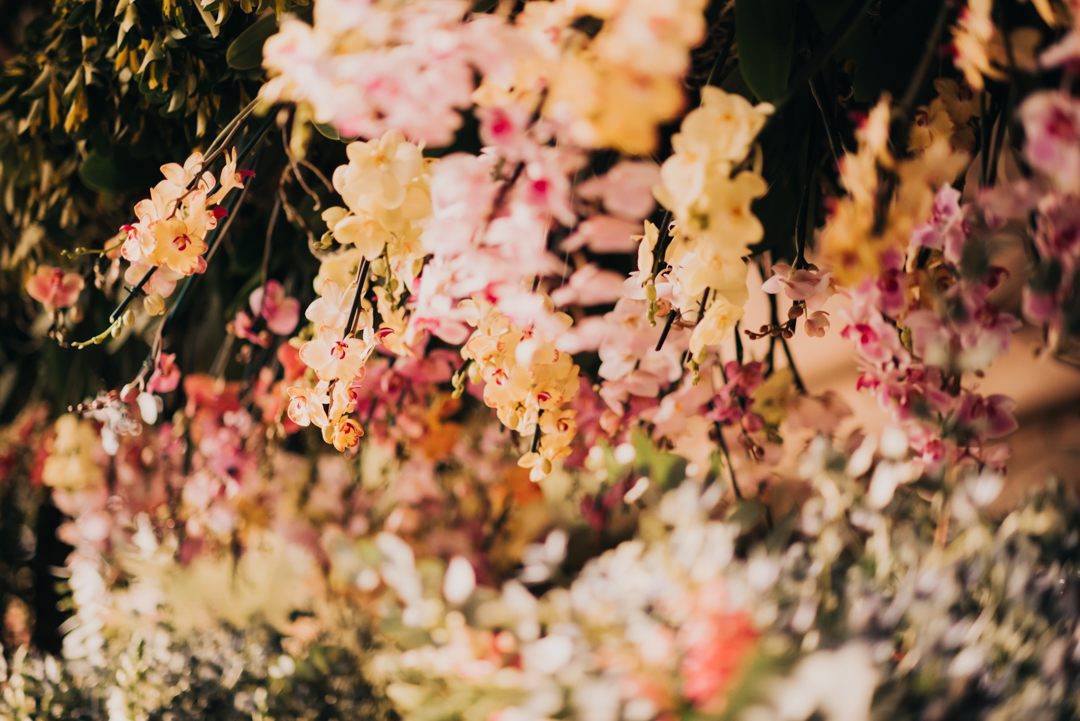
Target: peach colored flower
306, 407
54, 288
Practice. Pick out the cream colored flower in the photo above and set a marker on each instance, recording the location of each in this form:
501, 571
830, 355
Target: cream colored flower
71, 464
715, 327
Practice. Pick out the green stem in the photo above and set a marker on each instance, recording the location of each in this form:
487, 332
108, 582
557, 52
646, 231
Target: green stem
727, 459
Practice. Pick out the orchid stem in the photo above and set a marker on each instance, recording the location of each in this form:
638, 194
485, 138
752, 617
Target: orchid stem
791, 364
672, 314
727, 459
361, 279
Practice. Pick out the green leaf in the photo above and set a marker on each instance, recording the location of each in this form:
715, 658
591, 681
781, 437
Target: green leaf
98, 172
40, 84
327, 131
765, 32
245, 53
116, 173
859, 40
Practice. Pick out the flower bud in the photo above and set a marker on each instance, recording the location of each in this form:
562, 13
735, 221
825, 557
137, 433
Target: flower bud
154, 304
129, 392
129, 317
650, 292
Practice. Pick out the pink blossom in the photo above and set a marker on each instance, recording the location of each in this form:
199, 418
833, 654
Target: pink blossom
1012, 201
589, 286
629, 342
625, 190
244, 327
987, 417
545, 185
166, 374
1039, 307
804, 284
462, 193
584, 336
603, 234
280, 312
506, 130
817, 324
54, 288
1064, 52
1051, 121
944, 230
1058, 234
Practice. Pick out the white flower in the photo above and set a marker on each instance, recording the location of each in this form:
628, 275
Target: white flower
459, 581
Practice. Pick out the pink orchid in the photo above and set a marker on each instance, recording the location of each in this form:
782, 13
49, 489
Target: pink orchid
805, 284
1051, 121
289, 356
166, 375
54, 288
544, 186
1058, 234
280, 312
243, 326
462, 192
603, 234
625, 190
506, 129
817, 324
590, 286
987, 417
1038, 307
945, 229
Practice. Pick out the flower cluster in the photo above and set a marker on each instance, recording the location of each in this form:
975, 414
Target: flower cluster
583, 490
169, 240
709, 199
887, 197
526, 380
1052, 146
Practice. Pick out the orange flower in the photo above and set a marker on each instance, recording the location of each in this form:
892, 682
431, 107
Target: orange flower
717, 646
344, 434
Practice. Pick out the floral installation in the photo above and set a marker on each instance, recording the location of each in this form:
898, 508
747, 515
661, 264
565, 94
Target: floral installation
440, 403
